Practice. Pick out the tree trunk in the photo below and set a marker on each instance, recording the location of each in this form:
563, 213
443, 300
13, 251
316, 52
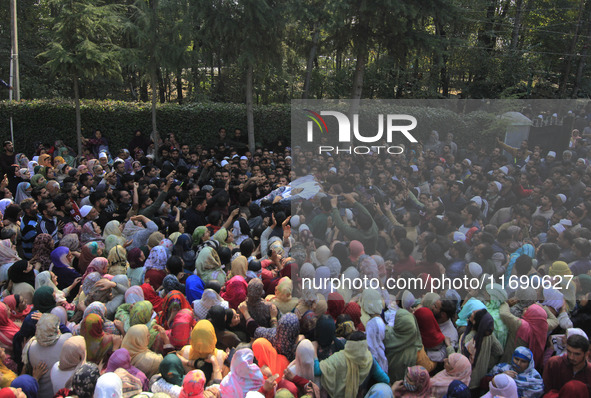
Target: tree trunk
179, 86
583, 60
161, 87
361, 52
249, 108
570, 53
310, 64
516, 24
78, 118
155, 136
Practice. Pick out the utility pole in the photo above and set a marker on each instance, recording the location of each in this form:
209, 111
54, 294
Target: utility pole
15, 81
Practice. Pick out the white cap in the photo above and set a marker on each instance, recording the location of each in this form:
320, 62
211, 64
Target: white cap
562, 197
469, 161
477, 200
84, 210
224, 163
234, 156
102, 155
414, 168
555, 115
287, 157
295, 221
566, 223
243, 157
475, 269
504, 170
498, 185
570, 112
349, 214
459, 236
332, 170
552, 154
540, 116
559, 228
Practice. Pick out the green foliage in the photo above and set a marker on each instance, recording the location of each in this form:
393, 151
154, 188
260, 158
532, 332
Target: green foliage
49, 120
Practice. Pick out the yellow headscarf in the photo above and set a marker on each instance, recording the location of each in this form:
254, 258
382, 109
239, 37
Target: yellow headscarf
559, 268
136, 342
203, 340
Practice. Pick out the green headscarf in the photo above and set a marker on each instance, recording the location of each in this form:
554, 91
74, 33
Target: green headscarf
43, 300
497, 297
221, 237
171, 369
35, 181
208, 266
402, 344
198, 234
140, 313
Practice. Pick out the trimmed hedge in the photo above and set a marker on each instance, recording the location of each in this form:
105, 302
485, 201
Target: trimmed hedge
49, 120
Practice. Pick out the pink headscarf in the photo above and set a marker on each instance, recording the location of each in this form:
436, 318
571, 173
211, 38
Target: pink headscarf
193, 384
534, 330
236, 291
356, 250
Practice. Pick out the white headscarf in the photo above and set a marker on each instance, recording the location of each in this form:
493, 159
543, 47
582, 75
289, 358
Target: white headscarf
108, 385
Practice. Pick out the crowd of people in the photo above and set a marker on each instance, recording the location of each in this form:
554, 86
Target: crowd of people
179, 270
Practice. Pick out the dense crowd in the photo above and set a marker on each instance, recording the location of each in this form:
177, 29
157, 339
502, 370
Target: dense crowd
179, 270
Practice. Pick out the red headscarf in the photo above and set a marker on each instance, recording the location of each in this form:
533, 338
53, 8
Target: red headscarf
429, 328
12, 303
7, 328
236, 290
573, 388
152, 297
534, 330
354, 311
174, 301
336, 305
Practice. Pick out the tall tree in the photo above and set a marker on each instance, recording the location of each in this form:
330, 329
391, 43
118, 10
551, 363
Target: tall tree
80, 44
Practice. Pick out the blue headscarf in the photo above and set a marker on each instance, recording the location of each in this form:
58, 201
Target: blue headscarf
529, 380
28, 384
194, 288
471, 305
56, 257
379, 390
457, 389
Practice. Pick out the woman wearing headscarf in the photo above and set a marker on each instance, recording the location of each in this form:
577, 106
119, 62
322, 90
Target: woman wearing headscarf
244, 375
522, 370
89, 252
208, 299
91, 232
225, 238
73, 356
150, 293
99, 345
573, 388
46, 347
257, 307
61, 259
496, 297
194, 288
235, 291
121, 359
529, 329
402, 344
8, 329
336, 305
271, 363
22, 278
43, 302
480, 346
456, 367
208, 266
6, 375
23, 191
136, 342
283, 299
325, 335
135, 272
109, 385
117, 261
354, 364
284, 336
239, 266
222, 318
416, 383
372, 304
48, 278
8, 256
172, 373
113, 229
42, 248
84, 380
28, 384
303, 365
473, 304
501, 386
18, 307
431, 336
177, 318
